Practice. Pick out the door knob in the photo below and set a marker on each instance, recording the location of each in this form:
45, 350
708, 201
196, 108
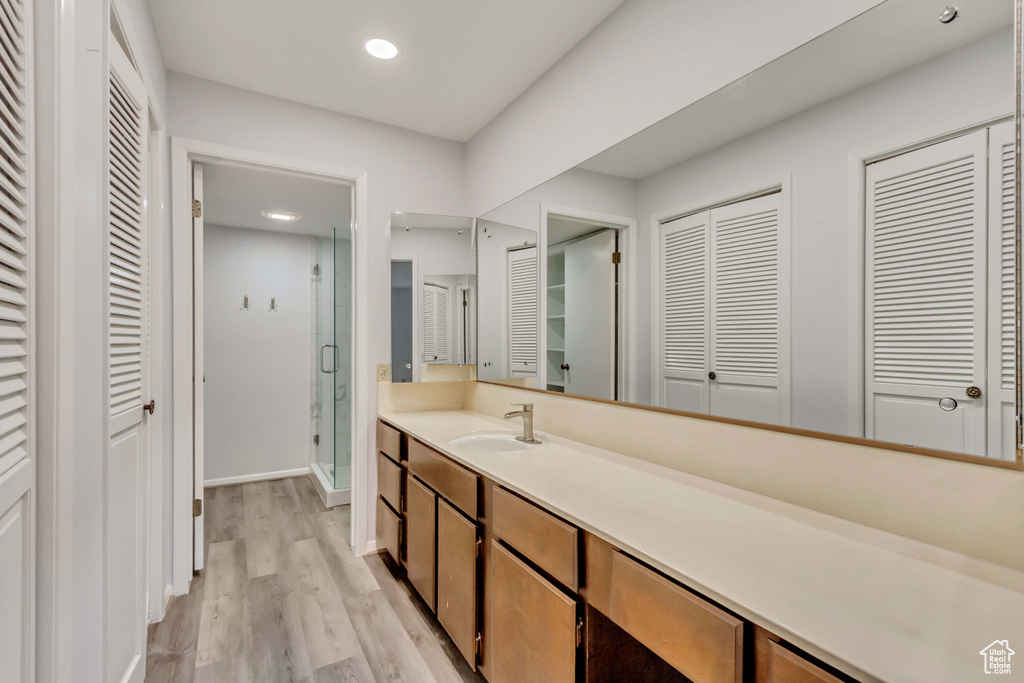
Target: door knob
565, 366
150, 407
973, 392
712, 375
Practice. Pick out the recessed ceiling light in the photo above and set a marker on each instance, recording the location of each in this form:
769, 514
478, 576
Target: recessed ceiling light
380, 48
281, 215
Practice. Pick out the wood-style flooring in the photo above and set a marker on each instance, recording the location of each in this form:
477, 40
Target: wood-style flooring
282, 598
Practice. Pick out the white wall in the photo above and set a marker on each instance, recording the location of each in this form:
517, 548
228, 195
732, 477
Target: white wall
257, 361
814, 147
438, 251
647, 60
406, 171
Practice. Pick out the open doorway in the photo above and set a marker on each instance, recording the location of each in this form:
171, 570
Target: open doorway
586, 303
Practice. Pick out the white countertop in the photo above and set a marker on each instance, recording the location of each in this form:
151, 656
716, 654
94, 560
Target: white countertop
876, 605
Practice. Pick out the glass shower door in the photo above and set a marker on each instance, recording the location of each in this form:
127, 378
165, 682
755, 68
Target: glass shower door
333, 347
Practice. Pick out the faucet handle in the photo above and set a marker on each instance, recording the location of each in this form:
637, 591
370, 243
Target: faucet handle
528, 407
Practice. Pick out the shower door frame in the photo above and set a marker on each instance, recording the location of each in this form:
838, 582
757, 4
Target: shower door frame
187, 556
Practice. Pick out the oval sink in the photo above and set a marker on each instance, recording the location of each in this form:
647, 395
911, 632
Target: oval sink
491, 443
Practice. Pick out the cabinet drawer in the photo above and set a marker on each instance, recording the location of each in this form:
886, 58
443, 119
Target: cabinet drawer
550, 543
452, 481
389, 481
420, 535
701, 641
786, 666
389, 441
389, 530
457, 578
532, 633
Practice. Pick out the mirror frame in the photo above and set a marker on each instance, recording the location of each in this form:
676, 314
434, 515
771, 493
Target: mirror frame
1016, 464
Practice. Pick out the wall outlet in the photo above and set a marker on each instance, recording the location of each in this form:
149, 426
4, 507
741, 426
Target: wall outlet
384, 372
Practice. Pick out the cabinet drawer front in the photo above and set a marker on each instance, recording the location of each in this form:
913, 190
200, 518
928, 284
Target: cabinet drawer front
456, 578
543, 538
389, 530
789, 667
452, 481
389, 481
420, 530
702, 641
389, 441
533, 629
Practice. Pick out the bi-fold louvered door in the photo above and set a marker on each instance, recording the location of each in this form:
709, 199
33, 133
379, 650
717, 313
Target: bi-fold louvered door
128, 350
723, 318
523, 307
925, 299
17, 449
435, 323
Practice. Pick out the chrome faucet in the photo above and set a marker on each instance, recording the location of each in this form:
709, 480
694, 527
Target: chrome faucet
527, 414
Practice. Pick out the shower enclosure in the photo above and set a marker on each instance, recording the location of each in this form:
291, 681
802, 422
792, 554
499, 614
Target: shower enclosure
332, 365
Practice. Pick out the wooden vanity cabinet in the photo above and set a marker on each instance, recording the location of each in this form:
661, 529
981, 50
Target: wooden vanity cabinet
535, 627
389, 530
421, 539
390, 487
458, 547
775, 662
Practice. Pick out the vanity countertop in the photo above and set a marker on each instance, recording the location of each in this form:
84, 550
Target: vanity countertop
874, 604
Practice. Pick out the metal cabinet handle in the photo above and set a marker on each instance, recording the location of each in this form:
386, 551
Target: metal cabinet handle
712, 375
973, 392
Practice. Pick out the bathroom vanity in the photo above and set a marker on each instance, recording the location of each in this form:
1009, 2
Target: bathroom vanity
566, 562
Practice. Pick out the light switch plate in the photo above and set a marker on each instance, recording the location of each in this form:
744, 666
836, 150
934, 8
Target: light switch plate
384, 372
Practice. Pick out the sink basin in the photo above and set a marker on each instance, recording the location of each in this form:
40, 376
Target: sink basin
491, 443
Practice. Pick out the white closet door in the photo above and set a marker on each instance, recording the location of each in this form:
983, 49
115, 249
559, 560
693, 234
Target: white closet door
590, 316
429, 323
925, 295
441, 330
524, 309
198, 370
127, 259
685, 307
747, 325
1002, 294
17, 449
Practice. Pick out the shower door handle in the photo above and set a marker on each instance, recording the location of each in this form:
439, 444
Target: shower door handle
334, 359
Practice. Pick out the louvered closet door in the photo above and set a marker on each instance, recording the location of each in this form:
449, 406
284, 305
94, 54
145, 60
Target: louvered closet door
429, 323
685, 306
1002, 360
442, 332
925, 295
17, 449
128, 246
746, 311
523, 305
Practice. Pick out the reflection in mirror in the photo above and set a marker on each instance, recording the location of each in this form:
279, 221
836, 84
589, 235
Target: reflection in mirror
433, 298
509, 286
828, 243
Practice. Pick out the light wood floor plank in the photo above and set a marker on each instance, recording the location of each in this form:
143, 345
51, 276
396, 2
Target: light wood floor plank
224, 622
350, 572
354, 670
278, 652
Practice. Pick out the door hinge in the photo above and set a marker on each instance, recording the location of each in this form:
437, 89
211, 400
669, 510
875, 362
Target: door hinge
197, 208
316, 439
616, 257
197, 508
579, 631
479, 643
479, 547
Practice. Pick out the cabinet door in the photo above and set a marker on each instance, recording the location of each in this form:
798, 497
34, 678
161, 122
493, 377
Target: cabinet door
389, 530
456, 578
533, 628
420, 537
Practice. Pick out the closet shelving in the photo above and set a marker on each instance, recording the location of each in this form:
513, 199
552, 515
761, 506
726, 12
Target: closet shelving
556, 320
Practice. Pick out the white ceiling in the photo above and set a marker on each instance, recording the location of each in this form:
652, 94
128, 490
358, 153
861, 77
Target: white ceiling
564, 228
235, 195
460, 62
881, 42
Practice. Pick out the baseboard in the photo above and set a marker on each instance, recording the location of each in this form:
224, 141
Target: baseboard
262, 476
370, 547
330, 497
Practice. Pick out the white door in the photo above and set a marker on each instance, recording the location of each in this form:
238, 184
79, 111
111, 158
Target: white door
17, 449
925, 297
435, 324
590, 316
1002, 436
685, 313
523, 311
747, 312
198, 371
128, 304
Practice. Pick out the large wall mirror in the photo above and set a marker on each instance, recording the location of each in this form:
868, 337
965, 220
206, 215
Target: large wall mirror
828, 243
433, 298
